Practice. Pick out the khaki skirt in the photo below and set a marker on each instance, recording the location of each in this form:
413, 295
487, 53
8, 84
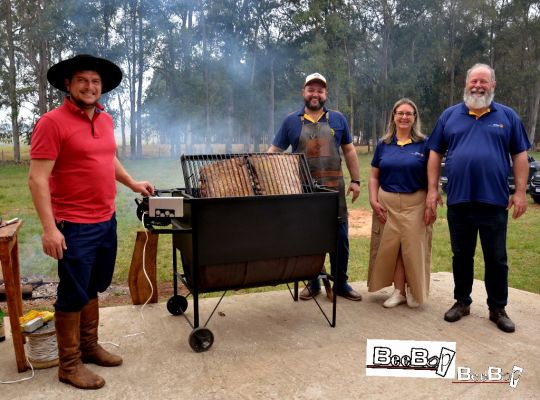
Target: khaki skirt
404, 229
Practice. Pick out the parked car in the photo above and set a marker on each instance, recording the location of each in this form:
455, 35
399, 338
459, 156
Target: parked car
534, 168
443, 179
534, 187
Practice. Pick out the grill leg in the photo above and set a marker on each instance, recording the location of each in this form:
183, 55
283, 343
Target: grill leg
336, 278
196, 307
295, 297
175, 272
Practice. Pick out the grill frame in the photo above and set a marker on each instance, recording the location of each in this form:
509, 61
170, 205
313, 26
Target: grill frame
303, 229
192, 165
272, 232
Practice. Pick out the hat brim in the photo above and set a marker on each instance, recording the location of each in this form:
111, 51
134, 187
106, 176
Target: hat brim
315, 80
110, 73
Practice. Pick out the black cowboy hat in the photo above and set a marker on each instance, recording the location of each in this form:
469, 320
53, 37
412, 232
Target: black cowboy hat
110, 73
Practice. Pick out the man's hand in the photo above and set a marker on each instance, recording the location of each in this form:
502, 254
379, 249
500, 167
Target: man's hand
433, 199
519, 201
53, 243
143, 187
355, 189
429, 216
520, 167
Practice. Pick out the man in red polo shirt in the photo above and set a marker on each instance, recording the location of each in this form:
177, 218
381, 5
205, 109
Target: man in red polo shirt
72, 178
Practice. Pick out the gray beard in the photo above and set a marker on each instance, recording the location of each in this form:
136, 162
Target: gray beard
477, 102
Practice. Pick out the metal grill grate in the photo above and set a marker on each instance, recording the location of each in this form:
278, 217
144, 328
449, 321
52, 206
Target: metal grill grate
248, 174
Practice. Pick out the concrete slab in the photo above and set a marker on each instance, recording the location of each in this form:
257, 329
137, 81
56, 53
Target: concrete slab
269, 347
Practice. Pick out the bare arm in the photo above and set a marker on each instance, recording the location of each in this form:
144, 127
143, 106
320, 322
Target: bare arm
379, 210
143, 187
433, 196
351, 160
274, 149
520, 167
53, 242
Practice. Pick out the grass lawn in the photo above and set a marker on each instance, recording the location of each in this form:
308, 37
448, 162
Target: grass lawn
523, 234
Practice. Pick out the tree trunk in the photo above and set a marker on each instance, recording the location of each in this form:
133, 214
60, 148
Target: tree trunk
230, 122
189, 137
534, 112
452, 84
452, 50
122, 124
387, 48
43, 62
206, 76
50, 90
272, 101
12, 86
362, 133
248, 138
351, 91
249, 131
140, 71
132, 81
373, 129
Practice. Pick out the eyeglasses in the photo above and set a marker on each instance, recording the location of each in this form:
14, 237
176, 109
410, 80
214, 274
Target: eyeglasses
404, 114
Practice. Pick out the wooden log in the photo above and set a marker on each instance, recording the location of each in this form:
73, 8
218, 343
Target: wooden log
26, 291
139, 287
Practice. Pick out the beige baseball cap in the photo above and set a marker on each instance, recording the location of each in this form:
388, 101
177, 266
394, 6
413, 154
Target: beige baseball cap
315, 77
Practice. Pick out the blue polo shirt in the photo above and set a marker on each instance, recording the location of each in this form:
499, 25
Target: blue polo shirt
289, 132
478, 152
402, 169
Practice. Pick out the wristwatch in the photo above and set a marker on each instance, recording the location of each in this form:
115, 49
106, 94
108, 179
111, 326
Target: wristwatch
355, 181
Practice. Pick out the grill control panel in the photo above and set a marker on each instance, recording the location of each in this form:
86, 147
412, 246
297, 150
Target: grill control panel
166, 207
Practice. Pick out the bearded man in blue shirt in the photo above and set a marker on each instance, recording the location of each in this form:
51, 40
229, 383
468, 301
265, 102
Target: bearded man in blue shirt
479, 138
320, 133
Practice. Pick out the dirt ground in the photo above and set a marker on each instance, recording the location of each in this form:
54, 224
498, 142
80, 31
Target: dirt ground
359, 222
43, 296
44, 293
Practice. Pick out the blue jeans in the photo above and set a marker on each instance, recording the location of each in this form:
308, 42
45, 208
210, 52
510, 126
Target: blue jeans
88, 263
343, 261
465, 222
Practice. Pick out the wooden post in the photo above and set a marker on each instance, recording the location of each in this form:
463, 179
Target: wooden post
9, 258
139, 287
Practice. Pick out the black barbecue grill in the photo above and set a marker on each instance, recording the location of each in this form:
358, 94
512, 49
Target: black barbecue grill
248, 220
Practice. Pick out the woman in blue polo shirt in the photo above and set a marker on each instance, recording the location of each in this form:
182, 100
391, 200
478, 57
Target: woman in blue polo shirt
400, 251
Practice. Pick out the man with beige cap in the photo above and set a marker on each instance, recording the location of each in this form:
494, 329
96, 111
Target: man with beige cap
319, 133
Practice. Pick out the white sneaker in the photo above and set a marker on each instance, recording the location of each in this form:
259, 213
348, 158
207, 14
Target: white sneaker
395, 299
411, 302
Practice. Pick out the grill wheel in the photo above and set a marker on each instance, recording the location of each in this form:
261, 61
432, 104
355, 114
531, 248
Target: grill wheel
176, 305
201, 339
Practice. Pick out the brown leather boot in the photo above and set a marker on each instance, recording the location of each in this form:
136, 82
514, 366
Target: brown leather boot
71, 370
91, 351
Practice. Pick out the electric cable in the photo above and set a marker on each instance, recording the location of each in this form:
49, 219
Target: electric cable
23, 379
148, 280
144, 266
42, 348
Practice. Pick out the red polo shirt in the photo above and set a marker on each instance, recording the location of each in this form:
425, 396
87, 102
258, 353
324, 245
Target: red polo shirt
82, 182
